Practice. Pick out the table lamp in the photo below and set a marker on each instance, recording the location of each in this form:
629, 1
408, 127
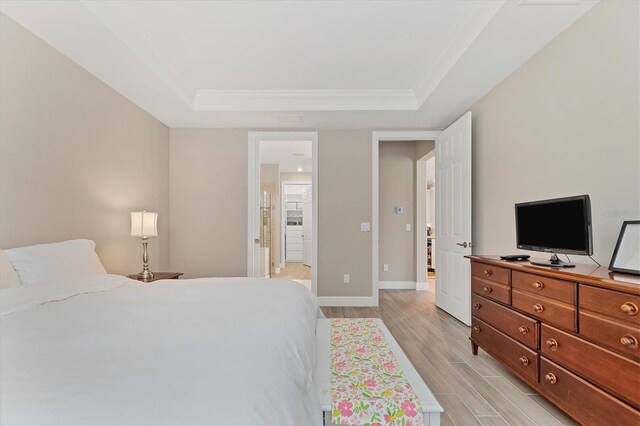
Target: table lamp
144, 224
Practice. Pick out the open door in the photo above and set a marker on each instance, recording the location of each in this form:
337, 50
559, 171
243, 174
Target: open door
453, 219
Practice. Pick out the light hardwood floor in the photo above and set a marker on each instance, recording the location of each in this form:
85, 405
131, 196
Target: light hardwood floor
294, 270
474, 390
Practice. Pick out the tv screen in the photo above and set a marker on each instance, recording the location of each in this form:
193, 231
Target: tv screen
561, 225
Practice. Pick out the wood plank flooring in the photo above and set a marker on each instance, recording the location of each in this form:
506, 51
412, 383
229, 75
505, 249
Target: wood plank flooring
474, 390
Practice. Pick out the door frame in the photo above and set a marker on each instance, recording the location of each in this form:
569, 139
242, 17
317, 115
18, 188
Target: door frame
376, 138
253, 196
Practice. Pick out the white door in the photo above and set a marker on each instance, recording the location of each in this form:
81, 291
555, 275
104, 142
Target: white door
307, 221
453, 219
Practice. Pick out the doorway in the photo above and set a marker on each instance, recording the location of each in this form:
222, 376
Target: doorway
378, 137
282, 213
425, 221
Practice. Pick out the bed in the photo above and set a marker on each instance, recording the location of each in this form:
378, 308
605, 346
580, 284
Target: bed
97, 348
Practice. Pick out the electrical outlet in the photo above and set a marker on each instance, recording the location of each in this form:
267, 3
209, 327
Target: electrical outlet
385, 267
365, 227
408, 227
347, 279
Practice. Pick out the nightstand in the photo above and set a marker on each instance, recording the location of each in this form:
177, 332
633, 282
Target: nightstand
158, 276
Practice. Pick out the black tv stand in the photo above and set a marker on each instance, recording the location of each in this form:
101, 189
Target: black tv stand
554, 262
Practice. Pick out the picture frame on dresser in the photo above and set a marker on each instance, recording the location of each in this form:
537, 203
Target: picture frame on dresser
626, 255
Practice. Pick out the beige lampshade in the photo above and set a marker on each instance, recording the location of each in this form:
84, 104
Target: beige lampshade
144, 224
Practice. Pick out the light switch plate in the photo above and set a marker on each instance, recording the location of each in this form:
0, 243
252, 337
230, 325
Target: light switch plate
408, 227
385, 268
365, 227
347, 279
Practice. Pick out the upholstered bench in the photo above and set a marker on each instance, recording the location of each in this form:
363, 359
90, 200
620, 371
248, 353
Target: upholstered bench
431, 409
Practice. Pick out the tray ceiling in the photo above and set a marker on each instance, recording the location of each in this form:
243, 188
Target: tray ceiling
353, 64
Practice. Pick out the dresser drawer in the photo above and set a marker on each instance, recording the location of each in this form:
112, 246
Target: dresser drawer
621, 337
581, 400
520, 358
615, 304
615, 373
562, 290
490, 272
517, 326
491, 290
551, 311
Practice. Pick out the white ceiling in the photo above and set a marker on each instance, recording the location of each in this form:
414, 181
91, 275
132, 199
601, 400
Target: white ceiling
290, 155
350, 64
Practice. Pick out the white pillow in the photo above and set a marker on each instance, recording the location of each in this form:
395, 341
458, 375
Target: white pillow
47, 262
8, 276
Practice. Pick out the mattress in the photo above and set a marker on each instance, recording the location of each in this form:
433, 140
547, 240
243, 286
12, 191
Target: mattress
200, 351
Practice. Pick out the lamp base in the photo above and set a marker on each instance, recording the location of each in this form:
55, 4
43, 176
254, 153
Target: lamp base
145, 275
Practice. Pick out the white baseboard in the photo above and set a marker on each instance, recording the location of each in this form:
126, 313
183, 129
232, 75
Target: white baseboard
422, 286
397, 285
347, 301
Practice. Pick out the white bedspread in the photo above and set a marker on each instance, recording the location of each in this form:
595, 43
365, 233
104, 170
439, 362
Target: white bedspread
202, 351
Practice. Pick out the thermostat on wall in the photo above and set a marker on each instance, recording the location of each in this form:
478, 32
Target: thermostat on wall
399, 210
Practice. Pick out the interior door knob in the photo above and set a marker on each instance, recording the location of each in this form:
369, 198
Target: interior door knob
465, 245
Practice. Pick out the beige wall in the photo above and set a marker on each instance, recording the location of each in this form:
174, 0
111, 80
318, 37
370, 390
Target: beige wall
209, 202
76, 157
270, 182
344, 201
209, 206
397, 189
565, 123
398, 181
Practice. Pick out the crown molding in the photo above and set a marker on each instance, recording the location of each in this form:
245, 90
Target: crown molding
305, 100
476, 18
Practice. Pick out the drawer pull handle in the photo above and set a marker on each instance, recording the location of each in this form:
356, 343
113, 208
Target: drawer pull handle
476, 329
487, 289
629, 341
524, 361
538, 308
551, 378
476, 305
488, 272
538, 285
629, 308
523, 330
552, 344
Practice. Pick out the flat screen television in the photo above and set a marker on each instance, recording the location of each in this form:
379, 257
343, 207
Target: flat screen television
560, 225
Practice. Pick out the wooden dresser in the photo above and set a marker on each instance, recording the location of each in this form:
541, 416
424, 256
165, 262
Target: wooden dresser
570, 333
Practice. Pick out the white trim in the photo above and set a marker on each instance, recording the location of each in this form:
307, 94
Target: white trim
348, 301
397, 285
422, 286
253, 184
253, 200
376, 137
305, 100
